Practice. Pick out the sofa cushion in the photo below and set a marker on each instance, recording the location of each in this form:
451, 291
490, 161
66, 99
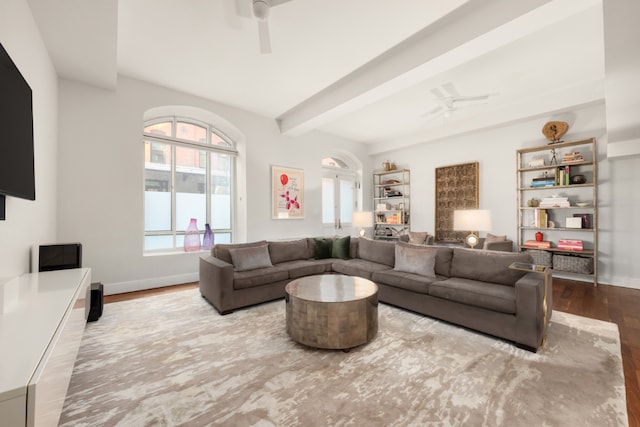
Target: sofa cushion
377, 251
487, 266
341, 247
288, 250
408, 281
251, 258
221, 250
259, 277
415, 259
301, 268
442, 265
358, 267
322, 247
475, 293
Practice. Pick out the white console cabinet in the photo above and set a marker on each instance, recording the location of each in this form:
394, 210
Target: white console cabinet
42, 319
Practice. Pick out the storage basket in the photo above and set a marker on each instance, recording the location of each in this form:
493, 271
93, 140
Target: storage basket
540, 257
573, 264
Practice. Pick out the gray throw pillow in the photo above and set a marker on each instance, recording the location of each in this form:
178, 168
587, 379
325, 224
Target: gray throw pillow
244, 259
418, 260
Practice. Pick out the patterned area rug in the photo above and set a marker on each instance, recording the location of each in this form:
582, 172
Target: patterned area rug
171, 360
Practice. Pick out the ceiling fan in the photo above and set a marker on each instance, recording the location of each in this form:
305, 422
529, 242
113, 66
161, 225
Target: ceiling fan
449, 100
260, 10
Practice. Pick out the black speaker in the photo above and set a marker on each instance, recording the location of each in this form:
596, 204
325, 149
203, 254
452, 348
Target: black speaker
60, 257
97, 302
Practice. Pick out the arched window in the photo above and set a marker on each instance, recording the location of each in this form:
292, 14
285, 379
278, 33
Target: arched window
188, 173
339, 193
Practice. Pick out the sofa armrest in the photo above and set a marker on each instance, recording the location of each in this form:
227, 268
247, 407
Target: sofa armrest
216, 283
533, 310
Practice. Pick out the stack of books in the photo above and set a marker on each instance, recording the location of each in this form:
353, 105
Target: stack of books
574, 157
537, 244
541, 218
570, 245
563, 175
543, 182
555, 202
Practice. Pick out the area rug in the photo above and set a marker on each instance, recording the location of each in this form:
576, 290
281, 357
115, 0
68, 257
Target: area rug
172, 360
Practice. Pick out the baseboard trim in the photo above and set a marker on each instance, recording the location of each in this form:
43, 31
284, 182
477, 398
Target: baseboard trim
150, 283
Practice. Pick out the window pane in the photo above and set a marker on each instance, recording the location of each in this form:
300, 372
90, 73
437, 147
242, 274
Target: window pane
163, 128
191, 132
220, 191
157, 187
346, 200
190, 185
328, 201
217, 140
158, 242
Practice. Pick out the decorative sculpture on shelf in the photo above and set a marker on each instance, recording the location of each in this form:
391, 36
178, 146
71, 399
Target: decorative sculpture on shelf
553, 131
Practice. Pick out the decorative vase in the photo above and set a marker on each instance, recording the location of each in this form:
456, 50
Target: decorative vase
539, 237
192, 237
207, 240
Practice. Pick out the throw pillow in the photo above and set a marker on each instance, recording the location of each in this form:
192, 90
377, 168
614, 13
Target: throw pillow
244, 259
340, 247
492, 238
417, 260
322, 248
418, 237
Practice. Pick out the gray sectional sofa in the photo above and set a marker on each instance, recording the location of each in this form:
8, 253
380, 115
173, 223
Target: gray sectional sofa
471, 288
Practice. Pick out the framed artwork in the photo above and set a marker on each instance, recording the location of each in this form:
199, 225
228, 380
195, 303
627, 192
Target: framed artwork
456, 188
287, 193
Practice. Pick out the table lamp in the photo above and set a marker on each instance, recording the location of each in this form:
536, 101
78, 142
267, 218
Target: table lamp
472, 220
362, 220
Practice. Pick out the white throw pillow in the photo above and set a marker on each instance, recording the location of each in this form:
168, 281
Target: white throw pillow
251, 258
418, 260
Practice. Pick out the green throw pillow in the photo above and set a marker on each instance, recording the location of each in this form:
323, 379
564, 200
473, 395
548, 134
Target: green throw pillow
322, 248
340, 247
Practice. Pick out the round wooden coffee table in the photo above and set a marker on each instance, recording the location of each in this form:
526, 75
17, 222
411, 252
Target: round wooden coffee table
332, 311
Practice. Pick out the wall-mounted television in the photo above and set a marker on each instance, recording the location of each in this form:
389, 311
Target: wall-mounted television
17, 170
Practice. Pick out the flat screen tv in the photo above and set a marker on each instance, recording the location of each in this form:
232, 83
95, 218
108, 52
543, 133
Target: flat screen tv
17, 175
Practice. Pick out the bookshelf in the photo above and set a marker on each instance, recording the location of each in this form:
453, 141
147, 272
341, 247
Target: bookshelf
392, 204
557, 197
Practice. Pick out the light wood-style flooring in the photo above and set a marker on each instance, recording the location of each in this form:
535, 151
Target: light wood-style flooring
603, 302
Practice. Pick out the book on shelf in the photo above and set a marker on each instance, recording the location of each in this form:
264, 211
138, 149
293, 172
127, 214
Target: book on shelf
537, 244
554, 202
573, 157
570, 245
547, 182
541, 218
563, 175
586, 219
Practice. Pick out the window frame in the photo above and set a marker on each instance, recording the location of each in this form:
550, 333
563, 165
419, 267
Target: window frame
173, 141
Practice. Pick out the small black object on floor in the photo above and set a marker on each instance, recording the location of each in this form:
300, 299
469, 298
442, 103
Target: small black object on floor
97, 302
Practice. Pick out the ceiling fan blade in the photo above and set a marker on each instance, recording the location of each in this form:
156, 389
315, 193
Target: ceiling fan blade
471, 98
263, 36
437, 93
451, 90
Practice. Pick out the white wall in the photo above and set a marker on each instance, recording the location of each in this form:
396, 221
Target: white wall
28, 222
495, 150
101, 179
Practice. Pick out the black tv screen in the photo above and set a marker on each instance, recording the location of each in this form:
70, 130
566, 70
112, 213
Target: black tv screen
17, 176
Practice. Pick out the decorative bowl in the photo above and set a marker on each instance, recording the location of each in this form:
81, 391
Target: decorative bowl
578, 179
582, 204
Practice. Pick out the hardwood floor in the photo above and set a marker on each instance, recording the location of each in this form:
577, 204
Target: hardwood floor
608, 303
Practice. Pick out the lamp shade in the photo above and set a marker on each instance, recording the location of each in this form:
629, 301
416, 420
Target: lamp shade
362, 219
472, 220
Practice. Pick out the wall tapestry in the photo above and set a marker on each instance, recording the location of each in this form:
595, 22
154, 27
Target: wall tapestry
287, 190
456, 188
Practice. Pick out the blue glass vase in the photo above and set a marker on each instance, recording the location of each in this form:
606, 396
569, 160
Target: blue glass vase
192, 237
207, 240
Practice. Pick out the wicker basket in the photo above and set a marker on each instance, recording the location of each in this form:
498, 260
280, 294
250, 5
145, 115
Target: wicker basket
540, 257
573, 264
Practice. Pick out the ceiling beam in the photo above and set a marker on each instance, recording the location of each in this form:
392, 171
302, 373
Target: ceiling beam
406, 63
